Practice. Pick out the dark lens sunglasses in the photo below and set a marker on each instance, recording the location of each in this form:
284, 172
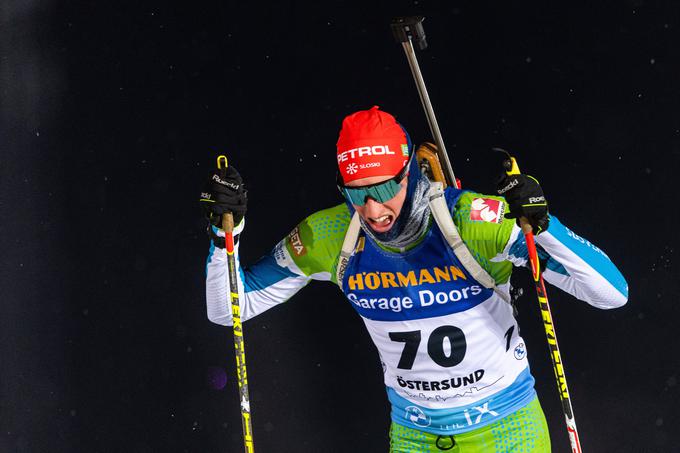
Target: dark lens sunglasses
380, 192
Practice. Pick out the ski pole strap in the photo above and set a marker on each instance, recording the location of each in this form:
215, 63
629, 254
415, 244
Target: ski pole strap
348, 246
442, 215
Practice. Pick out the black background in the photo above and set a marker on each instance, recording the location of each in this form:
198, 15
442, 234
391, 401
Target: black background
113, 113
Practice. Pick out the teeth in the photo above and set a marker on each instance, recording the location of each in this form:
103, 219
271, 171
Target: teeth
381, 219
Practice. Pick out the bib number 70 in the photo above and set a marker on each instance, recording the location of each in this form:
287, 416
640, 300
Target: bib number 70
435, 346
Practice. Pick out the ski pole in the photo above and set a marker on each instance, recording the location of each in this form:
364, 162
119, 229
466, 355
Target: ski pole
239, 343
511, 168
406, 30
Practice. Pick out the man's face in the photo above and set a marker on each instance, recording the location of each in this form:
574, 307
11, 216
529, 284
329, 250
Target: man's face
380, 216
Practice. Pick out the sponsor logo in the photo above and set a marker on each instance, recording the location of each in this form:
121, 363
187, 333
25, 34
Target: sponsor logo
416, 416
436, 386
575, 236
377, 150
369, 165
296, 242
536, 199
487, 210
552, 344
404, 150
512, 184
473, 416
480, 410
352, 168
375, 280
206, 195
425, 299
520, 351
229, 184
342, 267
281, 255
483, 409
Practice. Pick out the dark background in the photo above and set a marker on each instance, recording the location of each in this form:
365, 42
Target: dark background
112, 114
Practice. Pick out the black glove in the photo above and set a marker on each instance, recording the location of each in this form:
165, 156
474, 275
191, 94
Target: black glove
224, 192
525, 197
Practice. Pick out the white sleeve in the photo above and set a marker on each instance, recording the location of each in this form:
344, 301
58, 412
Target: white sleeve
573, 264
271, 281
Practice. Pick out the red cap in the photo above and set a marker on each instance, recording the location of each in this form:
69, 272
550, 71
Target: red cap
371, 143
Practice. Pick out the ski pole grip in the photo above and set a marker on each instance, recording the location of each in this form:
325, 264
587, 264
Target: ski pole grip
511, 167
525, 225
228, 222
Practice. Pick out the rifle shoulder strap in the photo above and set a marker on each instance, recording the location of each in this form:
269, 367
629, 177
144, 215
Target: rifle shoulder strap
348, 246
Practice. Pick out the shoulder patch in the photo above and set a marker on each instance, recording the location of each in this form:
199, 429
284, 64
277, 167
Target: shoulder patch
487, 210
295, 242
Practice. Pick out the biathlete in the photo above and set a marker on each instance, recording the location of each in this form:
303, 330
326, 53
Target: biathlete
455, 367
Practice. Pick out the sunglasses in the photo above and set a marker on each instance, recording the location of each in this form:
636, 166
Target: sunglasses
380, 192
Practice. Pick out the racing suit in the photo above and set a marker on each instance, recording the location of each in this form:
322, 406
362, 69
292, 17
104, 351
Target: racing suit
455, 366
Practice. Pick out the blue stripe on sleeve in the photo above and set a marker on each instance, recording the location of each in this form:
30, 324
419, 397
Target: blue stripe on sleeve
589, 253
264, 273
210, 255
551, 263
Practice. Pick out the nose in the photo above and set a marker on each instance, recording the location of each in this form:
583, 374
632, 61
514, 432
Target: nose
372, 208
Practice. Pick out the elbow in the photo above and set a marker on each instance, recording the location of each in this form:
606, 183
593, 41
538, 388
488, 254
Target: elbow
610, 300
623, 298
617, 301
608, 293
619, 296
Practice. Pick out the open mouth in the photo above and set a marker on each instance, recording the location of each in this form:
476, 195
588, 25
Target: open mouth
382, 223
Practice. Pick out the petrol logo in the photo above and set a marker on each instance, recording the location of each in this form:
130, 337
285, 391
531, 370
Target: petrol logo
364, 151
